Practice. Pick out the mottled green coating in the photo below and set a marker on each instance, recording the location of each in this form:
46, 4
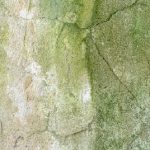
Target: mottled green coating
119, 67
104, 44
117, 58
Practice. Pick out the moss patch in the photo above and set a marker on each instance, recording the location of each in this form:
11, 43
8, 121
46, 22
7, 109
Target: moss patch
85, 16
116, 52
3, 33
70, 58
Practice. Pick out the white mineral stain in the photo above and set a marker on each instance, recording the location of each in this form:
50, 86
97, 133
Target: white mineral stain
85, 92
25, 14
33, 68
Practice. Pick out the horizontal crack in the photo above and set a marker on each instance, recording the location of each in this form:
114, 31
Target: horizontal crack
59, 136
74, 23
84, 129
119, 10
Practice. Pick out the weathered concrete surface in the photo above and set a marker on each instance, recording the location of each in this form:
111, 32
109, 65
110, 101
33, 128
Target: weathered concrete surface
74, 74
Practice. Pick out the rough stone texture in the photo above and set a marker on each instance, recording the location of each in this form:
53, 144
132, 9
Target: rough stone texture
74, 74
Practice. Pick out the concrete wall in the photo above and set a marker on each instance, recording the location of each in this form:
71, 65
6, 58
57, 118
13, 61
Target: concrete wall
74, 74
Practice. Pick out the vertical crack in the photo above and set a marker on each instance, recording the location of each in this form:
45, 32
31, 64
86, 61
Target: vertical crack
1, 128
111, 69
17, 140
